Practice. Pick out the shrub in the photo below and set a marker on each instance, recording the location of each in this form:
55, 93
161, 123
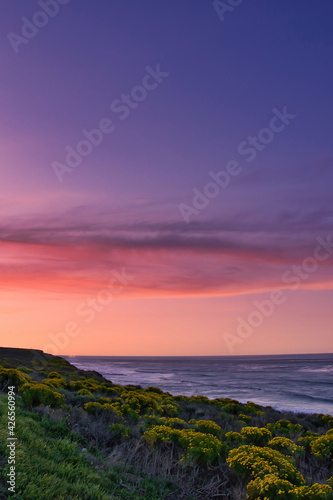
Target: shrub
120, 431
87, 383
201, 448
232, 407
244, 418
322, 447
94, 408
206, 426
270, 487
285, 446
285, 428
327, 420
151, 421
56, 382
180, 398
307, 437
108, 390
11, 376
174, 422
252, 408
54, 375
85, 392
171, 409
258, 436
154, 389
160, 434
140, 402
34, 394
102, 401
234, 438
199, 399
126, 411
253, 461
314, 492
25, 369
116, 408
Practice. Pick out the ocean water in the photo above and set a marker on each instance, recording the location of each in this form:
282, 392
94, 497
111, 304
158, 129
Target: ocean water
302, 383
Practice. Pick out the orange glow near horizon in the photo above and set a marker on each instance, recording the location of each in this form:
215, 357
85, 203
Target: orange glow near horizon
68, 289
166, 326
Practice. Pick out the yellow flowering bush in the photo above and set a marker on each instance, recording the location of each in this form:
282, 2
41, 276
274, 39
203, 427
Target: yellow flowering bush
171, 409
231, 406
256, 435
160, 434
206, 426
54, 375
314, 492
244, 418
25, 369
251, 408
285, 428
307, 437
156, 390
85, 392
57, 382
254, 461
108, 390
93, 407
181, 398
233, 438
285, 446
328, 420
174, 422
102, 401
140, 402
199, 399
34, 394
270, 487
88, 383
200, 448
126, 411
322, 446
11, 376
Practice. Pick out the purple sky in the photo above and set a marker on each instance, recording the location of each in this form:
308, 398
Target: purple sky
120, 206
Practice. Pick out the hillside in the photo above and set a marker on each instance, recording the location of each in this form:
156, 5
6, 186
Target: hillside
79, 436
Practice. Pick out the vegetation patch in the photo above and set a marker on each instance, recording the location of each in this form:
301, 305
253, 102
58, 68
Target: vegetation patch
79, 436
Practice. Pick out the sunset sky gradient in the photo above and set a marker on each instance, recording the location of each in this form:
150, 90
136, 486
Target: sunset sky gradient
174, 288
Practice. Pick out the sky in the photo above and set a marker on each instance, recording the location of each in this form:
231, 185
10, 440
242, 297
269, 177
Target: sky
166, 177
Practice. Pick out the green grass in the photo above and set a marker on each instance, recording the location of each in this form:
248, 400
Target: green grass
49, 466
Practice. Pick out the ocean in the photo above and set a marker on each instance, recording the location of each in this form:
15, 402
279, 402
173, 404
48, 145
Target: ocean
299, 383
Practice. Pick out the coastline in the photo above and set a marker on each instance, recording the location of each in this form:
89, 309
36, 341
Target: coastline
83, 436
296, 383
